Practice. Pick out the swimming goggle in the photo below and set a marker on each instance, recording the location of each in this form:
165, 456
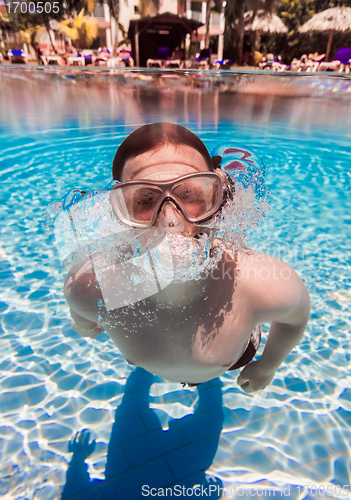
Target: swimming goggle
198, 196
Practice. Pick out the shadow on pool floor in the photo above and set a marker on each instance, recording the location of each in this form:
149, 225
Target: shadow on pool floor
141, 454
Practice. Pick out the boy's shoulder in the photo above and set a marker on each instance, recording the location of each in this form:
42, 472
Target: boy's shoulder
259, 266
271, 286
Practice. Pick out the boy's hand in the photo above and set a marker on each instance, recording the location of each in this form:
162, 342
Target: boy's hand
80, 446
92, 333
252, 378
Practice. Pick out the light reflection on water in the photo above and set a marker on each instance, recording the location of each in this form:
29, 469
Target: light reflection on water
38, 99
57, 135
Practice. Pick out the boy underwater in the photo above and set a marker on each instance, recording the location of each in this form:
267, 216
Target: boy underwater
191, 330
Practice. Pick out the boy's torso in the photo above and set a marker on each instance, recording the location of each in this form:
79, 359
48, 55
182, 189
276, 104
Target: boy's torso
188, 332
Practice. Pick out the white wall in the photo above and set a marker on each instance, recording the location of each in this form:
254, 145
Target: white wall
127, 13
168, 6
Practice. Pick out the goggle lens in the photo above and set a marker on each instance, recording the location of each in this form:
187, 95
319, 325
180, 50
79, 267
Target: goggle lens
196, 197
138, 202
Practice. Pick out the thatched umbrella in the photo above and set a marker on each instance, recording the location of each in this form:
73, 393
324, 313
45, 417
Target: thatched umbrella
337, 19
263, 23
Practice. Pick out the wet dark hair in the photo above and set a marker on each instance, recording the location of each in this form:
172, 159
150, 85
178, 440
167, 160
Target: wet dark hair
152, 136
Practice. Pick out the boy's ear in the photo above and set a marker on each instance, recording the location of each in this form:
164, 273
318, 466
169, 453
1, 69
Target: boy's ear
216, 161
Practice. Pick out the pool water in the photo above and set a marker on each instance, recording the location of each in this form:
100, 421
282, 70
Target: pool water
294, 436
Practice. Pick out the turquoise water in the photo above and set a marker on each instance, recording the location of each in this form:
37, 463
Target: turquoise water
149, 431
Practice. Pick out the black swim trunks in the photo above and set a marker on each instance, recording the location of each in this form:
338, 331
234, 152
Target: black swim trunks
250, 351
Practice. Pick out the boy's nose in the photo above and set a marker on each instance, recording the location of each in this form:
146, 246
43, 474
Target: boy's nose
170, 217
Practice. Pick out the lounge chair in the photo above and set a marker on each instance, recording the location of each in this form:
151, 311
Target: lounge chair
154, 63
17, 56
313, 62
76, 60
102, 57
173, 64
223, 64
341, 61
163, 55
52, 59
278, 65
124, 58
295, 64
307, 63
203, 60
89, 57
331, 66
267, 62
273, 63
176, 60
344, 56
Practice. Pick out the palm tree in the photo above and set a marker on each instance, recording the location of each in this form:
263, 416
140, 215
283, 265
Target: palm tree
113, 5
90, 5
11, 21
72, 6
234, 12
241, 9
208, 15
234, 22
267, 6
81, 29
29, 35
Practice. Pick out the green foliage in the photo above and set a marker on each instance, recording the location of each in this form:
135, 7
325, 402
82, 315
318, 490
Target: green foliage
29, 19
234, 12
81, 29
125, 40
113, 5
4, 20
294, 13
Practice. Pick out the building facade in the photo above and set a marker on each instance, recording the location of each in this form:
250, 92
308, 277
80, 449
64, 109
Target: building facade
196, 10
107, 25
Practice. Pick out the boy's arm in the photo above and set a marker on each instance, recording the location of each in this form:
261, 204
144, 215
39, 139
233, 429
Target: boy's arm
285, 303
286, 333
84, 326
82, 295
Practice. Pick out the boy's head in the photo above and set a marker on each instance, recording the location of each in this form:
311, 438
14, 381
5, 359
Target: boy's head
151, 139
158, 153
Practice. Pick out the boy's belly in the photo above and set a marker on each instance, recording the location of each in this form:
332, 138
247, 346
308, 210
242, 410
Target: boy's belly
170, 352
